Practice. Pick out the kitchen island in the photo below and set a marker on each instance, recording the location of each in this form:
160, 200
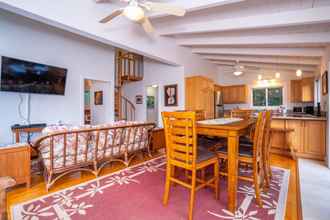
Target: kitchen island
299, 135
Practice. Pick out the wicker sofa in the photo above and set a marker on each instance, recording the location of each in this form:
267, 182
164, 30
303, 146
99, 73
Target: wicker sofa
66, 149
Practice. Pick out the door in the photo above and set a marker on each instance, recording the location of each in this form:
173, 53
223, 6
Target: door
152, 104
97, 102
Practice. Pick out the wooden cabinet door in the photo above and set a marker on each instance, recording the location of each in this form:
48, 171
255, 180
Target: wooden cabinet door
295, 138
200, 95
234, 94
296, 90
308, 89
278, 138
242, 94
314, 139
226, 95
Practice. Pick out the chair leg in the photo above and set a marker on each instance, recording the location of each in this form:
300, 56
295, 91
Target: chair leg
216, 180
203, 175
266, 173
192, 194
167, 184
269, 169
257, 185
173, 174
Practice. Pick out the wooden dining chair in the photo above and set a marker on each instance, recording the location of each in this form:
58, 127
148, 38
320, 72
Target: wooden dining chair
251, 155
241, 113
182, 152
266, 145
267, 142
200, 115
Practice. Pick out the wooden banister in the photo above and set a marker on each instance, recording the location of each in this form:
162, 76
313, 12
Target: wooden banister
127, 109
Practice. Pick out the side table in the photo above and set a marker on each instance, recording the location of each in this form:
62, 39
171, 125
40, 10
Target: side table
15, 162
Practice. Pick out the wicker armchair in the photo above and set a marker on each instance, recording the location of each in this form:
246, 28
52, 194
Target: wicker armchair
88, 149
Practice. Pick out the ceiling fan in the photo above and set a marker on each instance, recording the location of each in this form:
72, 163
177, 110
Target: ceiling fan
136, 11
238, 69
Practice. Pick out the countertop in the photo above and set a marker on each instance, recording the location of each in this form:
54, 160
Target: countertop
299, 117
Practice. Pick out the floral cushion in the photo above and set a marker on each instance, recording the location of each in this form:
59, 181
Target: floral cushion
112, 142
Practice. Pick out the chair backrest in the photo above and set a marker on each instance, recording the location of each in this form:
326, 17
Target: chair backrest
200, 115
259, 134
241, 113
267, 136
180, 136
66, 148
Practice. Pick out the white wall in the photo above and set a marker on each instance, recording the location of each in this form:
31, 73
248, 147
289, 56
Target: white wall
121, 33
25, 39
226, 77
101, 114
160, 74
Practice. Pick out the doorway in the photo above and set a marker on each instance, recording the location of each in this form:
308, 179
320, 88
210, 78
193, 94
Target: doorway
152, 104
97, 106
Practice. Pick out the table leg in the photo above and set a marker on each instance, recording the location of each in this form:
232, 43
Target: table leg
233, 142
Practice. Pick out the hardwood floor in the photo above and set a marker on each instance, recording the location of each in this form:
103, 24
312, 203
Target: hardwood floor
21, 193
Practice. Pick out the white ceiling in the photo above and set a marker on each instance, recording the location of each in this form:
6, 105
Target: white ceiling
281, 34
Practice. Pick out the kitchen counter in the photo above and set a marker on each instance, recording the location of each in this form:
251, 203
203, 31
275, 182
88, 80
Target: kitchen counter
299, 117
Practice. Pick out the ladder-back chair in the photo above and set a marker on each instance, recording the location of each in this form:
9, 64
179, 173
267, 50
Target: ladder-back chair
251, 155
182, 152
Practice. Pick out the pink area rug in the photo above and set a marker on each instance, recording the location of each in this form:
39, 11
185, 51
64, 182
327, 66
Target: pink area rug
136, 193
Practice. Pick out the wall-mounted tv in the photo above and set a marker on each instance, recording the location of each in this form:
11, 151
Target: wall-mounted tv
29, 77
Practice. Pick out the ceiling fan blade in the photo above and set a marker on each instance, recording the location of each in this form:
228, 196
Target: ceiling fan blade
114, 14
165, 8
146, 24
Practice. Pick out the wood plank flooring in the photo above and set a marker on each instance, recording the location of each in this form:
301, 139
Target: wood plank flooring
21, 193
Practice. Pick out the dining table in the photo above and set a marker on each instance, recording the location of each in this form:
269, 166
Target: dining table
231, 129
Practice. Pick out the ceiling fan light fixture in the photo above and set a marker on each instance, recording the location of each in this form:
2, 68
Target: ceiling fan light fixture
238, 73
134, 12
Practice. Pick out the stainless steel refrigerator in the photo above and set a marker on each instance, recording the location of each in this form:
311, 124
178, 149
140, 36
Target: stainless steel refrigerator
219, 108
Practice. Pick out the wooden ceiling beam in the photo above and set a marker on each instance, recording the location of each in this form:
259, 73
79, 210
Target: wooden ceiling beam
272, 40
265, 59
269, 66
280, 19
295, 52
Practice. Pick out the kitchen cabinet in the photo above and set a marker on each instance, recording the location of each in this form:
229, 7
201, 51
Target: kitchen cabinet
302, 90
296, 91
305, 138
236, 94
314, 140
307, 90
200, 95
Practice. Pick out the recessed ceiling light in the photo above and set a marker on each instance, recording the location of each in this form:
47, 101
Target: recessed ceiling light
277, 75
299, 73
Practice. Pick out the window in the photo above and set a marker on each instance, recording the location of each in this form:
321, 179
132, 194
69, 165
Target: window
268, 96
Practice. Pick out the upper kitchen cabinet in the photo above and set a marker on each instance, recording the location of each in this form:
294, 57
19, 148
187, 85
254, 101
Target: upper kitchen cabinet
236, 94
302, 90
308, 89
200, 95
296, 91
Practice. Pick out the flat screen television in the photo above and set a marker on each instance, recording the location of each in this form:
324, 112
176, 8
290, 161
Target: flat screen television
29, 77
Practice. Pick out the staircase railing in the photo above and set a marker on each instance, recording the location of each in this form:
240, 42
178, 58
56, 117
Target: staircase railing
127, 109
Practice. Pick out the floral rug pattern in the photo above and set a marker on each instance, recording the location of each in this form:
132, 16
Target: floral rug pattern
136, 193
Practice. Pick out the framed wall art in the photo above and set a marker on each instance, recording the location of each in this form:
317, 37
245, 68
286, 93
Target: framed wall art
325, 83
98, 98
171, 95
